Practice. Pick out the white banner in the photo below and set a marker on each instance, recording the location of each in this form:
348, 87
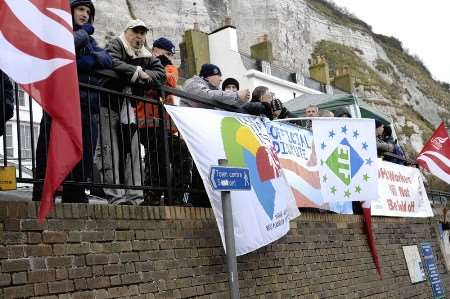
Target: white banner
260, 215
295, 149
347, 158
401, 192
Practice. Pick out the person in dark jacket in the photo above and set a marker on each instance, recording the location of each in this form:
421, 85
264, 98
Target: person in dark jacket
89, 59
207, 84
263, 103
279, 111
7, 103
382, 146
138, 71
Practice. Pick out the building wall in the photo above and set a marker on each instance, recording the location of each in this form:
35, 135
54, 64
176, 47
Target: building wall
101, 251
223, 49
23, 119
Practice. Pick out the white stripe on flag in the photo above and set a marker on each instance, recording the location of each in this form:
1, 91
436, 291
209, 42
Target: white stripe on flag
435, 169
439, 156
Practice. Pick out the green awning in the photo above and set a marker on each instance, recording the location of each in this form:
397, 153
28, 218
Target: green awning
370, 112
323, 101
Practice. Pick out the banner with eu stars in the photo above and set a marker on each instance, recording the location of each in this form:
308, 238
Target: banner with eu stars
347, 158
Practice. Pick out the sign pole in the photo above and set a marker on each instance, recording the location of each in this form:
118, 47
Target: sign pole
228, 227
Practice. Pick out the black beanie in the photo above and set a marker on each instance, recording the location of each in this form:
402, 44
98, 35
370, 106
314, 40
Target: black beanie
209, 70
378, 123
230, 81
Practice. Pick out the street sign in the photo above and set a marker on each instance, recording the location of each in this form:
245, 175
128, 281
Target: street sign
229, 178
8, 178
432, 271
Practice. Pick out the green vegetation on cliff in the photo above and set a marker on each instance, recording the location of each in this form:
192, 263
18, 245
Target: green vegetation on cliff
339, 56
338, 15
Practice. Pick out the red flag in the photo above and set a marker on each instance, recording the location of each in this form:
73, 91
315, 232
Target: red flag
37, 46
371, 237
435, 155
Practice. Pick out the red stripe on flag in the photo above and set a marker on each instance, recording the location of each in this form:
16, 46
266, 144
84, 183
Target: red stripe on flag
25, 40
444, 167
58, 4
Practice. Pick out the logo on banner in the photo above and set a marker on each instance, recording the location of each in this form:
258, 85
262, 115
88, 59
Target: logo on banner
243, 148
347, 155
345, 162
438, 142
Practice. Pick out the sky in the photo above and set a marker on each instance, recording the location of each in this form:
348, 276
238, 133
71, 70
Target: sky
423, 27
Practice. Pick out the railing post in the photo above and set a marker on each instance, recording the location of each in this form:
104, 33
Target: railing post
166, 149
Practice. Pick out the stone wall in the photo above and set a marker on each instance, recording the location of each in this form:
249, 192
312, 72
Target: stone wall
100, 251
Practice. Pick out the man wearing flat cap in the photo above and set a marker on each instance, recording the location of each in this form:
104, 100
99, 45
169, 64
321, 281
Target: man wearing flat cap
138, 71
207, 83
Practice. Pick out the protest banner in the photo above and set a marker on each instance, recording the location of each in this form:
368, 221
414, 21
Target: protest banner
401, 192
261, 215
294, 147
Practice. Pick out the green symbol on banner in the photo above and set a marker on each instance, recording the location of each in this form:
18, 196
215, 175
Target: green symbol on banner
339, 163
345, 162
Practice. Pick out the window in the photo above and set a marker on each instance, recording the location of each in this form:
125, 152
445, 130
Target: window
20, 96
9, 141
25, 140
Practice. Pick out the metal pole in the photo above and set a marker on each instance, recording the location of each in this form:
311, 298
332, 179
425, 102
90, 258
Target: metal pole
228, 227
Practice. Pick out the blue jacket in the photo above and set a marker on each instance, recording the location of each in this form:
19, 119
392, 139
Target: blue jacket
90, 58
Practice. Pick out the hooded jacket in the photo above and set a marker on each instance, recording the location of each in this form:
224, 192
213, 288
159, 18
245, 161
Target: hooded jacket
200, 86
90, 58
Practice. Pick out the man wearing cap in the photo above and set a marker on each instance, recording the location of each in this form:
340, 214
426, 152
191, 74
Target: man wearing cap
152, 136
138, 71
207, 83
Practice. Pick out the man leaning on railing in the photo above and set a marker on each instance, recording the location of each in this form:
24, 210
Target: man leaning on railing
118, 154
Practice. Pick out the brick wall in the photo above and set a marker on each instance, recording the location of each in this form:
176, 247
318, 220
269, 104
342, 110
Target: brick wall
99, 251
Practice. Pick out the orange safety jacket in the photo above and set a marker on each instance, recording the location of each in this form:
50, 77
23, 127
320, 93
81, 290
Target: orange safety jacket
148, 115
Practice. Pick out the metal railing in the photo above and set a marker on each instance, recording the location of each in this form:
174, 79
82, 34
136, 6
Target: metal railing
131, 148
125, 156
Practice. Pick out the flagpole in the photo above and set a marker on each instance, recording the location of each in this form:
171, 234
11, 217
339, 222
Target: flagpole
228, 227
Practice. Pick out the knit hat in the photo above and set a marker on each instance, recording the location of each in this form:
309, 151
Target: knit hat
165, 44
88, 3
209, 70
230, 81
378, 123
276, 105
136, 23
341, 112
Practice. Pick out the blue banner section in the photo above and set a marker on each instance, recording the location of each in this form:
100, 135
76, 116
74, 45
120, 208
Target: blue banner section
432, 270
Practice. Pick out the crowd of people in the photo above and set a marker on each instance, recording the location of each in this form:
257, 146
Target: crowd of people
115, 128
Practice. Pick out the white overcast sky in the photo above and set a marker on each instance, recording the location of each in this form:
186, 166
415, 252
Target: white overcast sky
423, 26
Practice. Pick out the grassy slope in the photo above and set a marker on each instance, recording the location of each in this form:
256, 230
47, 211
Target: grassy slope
339, 55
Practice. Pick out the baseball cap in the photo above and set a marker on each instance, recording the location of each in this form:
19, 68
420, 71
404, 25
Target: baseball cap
136, 23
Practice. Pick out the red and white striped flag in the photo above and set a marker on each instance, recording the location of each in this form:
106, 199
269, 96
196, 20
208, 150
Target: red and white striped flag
38, 52
435, 155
